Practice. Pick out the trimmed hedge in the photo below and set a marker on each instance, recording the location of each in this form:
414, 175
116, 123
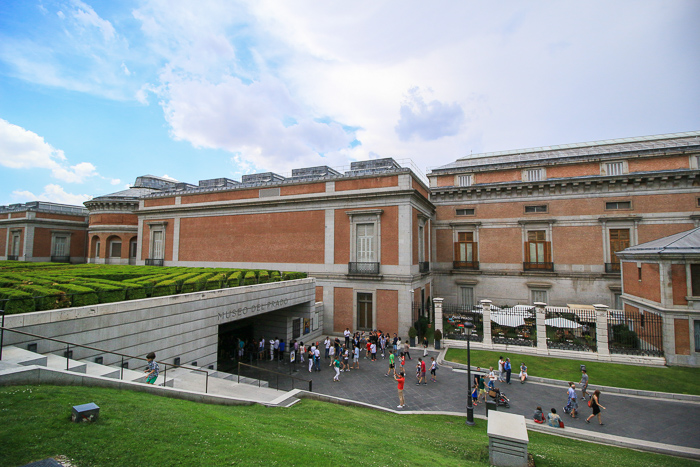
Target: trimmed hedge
250, 278
81, 295
17, 301
275, 276
290, 275
263, 277
196, 283
46, 298
107, 293
164, 288
216, 282
235, 279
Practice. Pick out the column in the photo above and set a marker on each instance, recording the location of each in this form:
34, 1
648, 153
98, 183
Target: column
437, 302
486, 320
541, 315
601, 331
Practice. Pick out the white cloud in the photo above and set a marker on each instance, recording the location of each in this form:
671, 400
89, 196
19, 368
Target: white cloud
52, 193
115, 181
166, 176
428, 121
24, 149
87, 16
125, 69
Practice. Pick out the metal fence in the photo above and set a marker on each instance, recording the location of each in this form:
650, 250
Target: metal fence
456, 316
635, 333
571, 329
514, 325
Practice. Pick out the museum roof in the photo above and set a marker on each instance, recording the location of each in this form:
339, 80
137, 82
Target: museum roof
594, 148
683, 243
44, 206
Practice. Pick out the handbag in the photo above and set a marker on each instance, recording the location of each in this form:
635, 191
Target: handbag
589, 403
561, 424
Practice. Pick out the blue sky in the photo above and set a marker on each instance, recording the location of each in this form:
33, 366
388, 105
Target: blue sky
96, 93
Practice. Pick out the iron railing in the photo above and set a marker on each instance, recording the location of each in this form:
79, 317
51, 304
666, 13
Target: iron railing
12, 258
468, 265
60, 259
424, 267
514, 325
363, 268
635, 333
123, 364
571, 329
154, 262
612, 268
530, 266
274, 379
456, 316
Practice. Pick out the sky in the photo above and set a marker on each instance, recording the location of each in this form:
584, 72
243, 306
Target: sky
96, 93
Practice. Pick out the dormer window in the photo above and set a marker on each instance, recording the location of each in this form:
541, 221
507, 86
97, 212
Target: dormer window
613, 168
464, 180
533, 175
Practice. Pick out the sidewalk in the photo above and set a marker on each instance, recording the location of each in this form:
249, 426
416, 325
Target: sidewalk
646, 419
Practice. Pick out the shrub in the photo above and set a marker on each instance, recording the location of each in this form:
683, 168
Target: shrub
291, 275
263, 277
17, 301
275, 276
196, 283
46, 298
250, 278
168, 287
437, 335
234, 280
106, 292
216, 282
81, 295
412, 332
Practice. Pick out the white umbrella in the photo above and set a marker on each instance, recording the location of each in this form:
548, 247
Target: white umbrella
509, 320
562, 323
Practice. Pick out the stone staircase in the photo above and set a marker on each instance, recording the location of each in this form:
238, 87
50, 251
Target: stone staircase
219, 383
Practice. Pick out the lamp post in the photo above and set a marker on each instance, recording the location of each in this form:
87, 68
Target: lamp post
470, 405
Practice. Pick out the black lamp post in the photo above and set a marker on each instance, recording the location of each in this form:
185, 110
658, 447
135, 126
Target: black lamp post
470, 405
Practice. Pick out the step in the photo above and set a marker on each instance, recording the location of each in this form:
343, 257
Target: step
96, 369
222, 375
19, 356
59, 363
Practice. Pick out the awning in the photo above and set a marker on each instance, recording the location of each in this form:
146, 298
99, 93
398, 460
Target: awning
508, 319
562, 323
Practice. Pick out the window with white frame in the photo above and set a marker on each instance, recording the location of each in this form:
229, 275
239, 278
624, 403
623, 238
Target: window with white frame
614, 168
157, 244
16, 241
695, 161
467, 297
60, 245
115, 249
366, 252
538, 295
533, 175
365, 232
421, 241
464, 180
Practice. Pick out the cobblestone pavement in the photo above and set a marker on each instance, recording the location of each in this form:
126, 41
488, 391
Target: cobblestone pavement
658, 420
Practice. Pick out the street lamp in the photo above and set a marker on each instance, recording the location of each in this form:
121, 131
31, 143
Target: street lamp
470, 405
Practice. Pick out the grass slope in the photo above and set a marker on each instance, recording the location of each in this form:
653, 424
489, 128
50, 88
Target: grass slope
665, 379
139, 429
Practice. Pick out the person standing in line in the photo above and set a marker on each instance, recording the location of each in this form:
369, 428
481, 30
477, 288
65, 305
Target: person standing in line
346, 359
406, 350
425, 346
302, 351
507, 367
261, 349
394, 343
595, 405
317, 358
346, 333
373, 350
336, 367
272, 349
391, 364
501, 374
311, 358
327, 343
584, 384
400, 379
356, 357
382, 344
281, 350
331, 353
368, 347
572, 404
152, 368
433, 370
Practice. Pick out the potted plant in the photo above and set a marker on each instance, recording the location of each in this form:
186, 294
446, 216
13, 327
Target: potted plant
437, 336
412, 333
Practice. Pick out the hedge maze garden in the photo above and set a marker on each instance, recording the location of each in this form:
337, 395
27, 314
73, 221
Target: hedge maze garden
26, 287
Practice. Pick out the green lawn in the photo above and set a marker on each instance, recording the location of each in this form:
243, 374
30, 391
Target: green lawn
665, 379
139, 429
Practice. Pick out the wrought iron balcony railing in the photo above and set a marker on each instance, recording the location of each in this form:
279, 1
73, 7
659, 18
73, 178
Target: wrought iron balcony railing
538, 266
612, 268
424, 267
363, 268
154, 262
469, 265
60, 259
12, 257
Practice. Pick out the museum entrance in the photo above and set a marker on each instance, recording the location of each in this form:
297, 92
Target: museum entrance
236, 343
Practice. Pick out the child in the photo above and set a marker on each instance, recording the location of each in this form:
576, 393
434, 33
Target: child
433, 368
153, 368
356, 357
391, 364
373, 351
336, 367
523, 373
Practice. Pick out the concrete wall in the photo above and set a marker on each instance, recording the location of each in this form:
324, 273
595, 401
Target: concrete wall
184, 326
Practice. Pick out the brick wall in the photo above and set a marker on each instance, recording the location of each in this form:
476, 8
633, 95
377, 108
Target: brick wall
367, 183
682, 336
42, 242
148, 203
114, 219
221, 196
342, 309
443, 246
577, 245
65, 217
388, 310
303, 189
679, 284
500, 245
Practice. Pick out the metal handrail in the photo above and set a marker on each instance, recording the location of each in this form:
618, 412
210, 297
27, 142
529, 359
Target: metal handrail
275, 373
122, 355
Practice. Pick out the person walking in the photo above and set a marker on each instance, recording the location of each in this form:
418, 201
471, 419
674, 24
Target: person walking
584, 384
507, 367
391, 364
425, 346
356, 357
595, 405
311, 358
336, 367
400, 380
481, 384
572, 404
152, 368
331, 354
433, 370
406, 350
422, 371
317, 358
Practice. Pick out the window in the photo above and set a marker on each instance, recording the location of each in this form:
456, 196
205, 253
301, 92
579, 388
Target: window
466, 212
619, 240
538, 295
533, 175
97, 249
614, 168
157, 250
115, 249
296, 328
464, 180
616, 205
467, 297
59, 246
695, 162
696, 325
695, 279
617, 301
466, 250
16, 239
537, 208
365, 243
132, 249
537, 248
364, 311
421, 242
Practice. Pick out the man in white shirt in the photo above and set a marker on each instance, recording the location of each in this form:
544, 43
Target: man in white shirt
317, 359
346, 333
327, 343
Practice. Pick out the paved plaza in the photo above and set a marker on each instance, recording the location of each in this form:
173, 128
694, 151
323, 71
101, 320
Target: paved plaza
658, 420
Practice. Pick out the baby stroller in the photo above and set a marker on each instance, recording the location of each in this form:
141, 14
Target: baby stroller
499, 397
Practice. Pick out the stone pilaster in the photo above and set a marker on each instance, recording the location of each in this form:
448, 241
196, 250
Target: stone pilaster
601, 331
438, 313
541, 315
486, 310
